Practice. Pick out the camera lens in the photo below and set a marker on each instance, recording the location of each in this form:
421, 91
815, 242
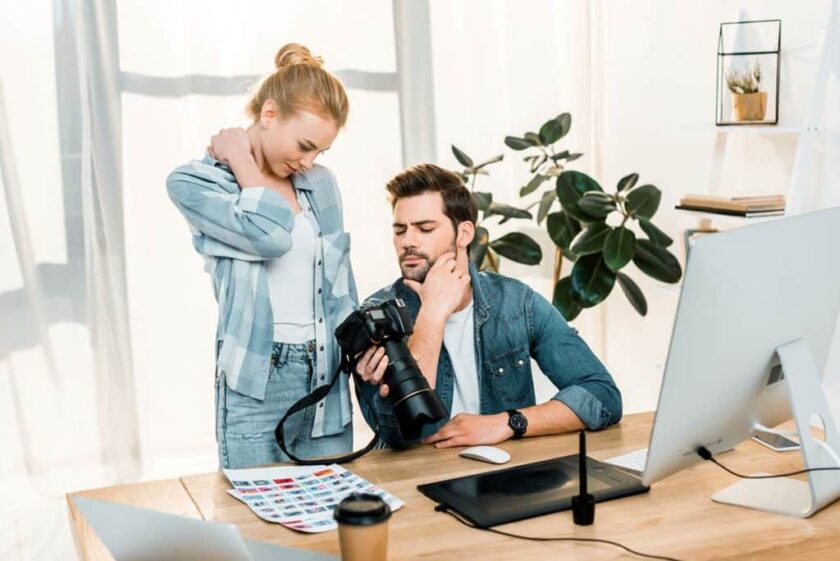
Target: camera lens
415, 404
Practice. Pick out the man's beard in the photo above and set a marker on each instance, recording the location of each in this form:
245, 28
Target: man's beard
418, 272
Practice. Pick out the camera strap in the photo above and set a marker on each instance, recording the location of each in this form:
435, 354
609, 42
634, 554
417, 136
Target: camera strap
310, 400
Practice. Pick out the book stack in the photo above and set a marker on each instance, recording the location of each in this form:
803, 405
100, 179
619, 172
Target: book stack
761, 205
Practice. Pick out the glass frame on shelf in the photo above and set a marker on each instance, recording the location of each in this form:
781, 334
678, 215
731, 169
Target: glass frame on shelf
748, 52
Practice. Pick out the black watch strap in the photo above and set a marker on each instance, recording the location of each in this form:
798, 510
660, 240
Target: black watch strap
518, 423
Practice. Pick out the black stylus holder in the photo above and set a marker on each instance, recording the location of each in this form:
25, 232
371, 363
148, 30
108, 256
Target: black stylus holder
583, 504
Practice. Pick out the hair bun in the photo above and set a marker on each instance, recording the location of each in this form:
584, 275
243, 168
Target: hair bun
294, 53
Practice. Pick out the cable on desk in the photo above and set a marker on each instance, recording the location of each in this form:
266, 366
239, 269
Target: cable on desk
444, 508
704, 453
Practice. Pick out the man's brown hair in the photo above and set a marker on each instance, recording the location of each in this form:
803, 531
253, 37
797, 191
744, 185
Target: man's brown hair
458, 203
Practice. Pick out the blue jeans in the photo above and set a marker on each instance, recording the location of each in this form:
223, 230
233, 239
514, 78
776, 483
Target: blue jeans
245, 426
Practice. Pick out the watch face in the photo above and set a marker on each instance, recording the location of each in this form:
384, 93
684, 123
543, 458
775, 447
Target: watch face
518, 422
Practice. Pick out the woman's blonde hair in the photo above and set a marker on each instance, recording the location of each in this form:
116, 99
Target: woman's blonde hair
300, 83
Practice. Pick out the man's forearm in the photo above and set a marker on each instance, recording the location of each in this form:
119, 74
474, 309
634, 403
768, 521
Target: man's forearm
425, 344
552, 417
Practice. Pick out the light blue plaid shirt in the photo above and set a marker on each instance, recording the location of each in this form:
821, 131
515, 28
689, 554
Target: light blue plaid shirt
237, 231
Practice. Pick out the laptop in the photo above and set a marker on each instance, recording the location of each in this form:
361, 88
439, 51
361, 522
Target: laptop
139, 534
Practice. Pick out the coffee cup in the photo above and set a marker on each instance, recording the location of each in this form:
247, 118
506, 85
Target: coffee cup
363, 527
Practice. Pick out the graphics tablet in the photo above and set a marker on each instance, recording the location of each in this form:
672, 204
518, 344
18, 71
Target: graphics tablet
506, 495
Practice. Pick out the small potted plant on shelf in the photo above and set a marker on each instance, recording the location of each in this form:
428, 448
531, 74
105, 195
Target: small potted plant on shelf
748, 102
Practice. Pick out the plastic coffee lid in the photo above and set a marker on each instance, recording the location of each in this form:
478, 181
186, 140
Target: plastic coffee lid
362, 509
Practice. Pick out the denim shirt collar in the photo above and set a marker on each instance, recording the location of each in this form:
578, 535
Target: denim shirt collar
480, 302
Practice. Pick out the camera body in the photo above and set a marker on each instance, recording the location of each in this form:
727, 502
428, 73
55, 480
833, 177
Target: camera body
388, 324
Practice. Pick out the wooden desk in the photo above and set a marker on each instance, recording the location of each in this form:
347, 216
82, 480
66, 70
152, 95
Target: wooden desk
676, 518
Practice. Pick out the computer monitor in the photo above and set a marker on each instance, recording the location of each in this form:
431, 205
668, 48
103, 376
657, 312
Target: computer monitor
747, 293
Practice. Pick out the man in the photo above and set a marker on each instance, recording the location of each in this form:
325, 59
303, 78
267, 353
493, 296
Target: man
475, 332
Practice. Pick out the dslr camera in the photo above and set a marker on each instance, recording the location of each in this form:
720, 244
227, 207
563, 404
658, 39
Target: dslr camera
388, 325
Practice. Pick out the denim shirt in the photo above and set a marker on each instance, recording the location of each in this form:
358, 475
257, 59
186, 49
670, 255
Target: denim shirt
513, 324
237, 231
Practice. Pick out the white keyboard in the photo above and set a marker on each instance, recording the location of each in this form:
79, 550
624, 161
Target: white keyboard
632, 461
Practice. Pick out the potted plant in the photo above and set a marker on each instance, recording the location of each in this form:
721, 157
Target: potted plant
600, 233
748, 102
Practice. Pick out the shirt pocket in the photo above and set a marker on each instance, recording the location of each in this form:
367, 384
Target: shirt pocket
336, 248
510, 376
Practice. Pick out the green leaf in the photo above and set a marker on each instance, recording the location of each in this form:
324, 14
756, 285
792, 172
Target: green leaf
563, 300
657, 262
573, 157
596, 204
506, 210
619, 248
565, 120
482, 200
562, 228
592, 280
560, 156
517, 143
518, 247
462, 158
592, 239
643, 201
571, 185
656, 235
556, 128
548, 199
533, 138
478, 247
551, 131
633, 293
627, 182
532, 185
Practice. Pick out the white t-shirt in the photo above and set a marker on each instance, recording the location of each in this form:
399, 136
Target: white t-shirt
459, 340
291, 286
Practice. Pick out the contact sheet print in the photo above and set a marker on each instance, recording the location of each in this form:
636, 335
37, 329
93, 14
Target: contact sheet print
300, 498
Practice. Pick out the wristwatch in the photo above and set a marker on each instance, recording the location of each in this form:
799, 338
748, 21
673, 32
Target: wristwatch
518, 423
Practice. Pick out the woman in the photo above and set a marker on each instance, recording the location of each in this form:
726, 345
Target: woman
269, 223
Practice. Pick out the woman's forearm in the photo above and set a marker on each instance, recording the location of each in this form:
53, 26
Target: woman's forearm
246, 171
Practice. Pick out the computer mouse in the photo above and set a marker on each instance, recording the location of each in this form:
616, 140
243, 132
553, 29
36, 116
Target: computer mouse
488, 454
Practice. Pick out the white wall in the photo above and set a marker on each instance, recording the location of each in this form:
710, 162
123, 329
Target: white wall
656, 81
665, 135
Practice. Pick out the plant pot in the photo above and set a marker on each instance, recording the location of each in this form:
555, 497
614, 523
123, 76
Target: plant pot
749, 107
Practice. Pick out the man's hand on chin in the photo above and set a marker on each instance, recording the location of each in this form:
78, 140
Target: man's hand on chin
471, 430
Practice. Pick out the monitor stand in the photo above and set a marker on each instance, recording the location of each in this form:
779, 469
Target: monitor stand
788, 496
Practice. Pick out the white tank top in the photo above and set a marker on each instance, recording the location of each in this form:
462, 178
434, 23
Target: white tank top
291, 286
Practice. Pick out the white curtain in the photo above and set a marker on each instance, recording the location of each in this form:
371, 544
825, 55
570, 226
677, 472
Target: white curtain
106, 339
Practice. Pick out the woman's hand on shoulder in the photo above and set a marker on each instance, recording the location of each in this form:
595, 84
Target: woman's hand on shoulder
228, 145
